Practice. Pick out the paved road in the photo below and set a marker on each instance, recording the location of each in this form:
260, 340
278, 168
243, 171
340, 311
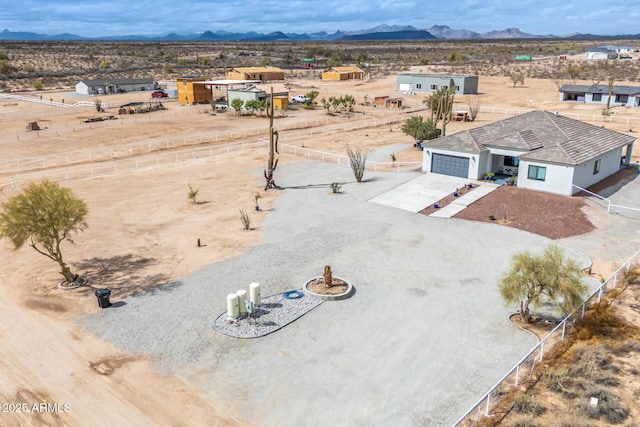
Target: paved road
424, 336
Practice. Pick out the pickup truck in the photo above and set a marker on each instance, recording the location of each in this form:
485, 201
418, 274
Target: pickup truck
298, 98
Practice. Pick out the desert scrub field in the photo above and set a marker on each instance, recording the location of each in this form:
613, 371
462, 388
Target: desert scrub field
60, 64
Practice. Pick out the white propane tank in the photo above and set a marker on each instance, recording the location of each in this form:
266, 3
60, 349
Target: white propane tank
254, 293
242, 296
233, 309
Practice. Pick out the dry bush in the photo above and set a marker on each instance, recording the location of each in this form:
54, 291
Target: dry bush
609, 405
527, 405
526, 421
593, 365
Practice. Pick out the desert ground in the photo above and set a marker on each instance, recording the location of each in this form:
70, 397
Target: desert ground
142, 229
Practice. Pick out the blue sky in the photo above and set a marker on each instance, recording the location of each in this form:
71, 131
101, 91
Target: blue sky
159, 17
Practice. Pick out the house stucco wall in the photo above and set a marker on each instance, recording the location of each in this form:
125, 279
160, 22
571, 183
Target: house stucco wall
558, 178
583, 174
468, 85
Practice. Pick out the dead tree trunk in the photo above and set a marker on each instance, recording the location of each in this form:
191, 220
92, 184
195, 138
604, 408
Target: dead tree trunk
328, 277
273, 148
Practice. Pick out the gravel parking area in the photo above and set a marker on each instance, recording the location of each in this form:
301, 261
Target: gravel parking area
423, 337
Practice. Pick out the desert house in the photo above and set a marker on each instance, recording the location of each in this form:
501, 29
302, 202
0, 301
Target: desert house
108, 86
257, 92
388, 102
601, 53
546, 151
264, 74
343, 73
599, 94
618, 49
465, 85
190, 92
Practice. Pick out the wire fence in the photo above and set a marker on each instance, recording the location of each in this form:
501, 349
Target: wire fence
289, 132
108, 165
525, 370
610, 207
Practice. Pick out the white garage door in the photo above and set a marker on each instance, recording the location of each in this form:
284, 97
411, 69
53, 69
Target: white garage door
404, 87
450, 165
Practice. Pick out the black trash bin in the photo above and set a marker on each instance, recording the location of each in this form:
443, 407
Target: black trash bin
103, 297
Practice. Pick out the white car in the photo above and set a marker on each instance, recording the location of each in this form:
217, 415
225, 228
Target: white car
298, 98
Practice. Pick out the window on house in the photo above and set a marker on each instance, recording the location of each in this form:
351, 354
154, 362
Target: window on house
596, 166
184, 83
597, 97
457, 88
511, 161
418, 85
433, 87
538, 173
622, 98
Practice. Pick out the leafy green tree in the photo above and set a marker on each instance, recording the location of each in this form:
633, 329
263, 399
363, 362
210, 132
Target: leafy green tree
261, 106
237, 104
311, 97
548, 277
43, 216
419, 129
252, 105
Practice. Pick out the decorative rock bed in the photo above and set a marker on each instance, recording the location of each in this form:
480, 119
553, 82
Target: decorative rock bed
274, 312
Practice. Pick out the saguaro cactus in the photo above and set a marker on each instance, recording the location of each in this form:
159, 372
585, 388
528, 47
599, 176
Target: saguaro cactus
273, 148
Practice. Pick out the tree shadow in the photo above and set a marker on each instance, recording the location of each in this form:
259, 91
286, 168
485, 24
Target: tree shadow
124, 275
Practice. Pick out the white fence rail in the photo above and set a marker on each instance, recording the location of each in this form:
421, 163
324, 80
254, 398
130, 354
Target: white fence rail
524, 369
289, 132
584, 116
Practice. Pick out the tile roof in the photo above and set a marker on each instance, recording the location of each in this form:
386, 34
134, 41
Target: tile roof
539, 135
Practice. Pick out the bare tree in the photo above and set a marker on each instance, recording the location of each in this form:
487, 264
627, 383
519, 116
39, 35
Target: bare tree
357, 161
473, 102
610, 89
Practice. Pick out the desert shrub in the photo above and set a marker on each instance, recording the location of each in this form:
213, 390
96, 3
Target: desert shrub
4, 56
6, 67
335, 187
245, 219
456, 57
593, 364
632, 346
105, 63
525, 421
357, 161
571, 420
492, 218
203, 61
525, 404
192, 194
28, 68
37, 84
609, 406
425, 60
559, 381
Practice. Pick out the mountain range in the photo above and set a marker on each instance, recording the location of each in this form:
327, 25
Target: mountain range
381, 32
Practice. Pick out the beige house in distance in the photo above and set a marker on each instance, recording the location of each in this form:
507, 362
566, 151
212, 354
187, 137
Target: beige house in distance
343, 73
263, 74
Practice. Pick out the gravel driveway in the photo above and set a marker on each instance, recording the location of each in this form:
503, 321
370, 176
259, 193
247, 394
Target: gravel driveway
424, 336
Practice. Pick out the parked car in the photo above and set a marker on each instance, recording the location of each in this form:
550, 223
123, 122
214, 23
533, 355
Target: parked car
159, 94
298, 98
